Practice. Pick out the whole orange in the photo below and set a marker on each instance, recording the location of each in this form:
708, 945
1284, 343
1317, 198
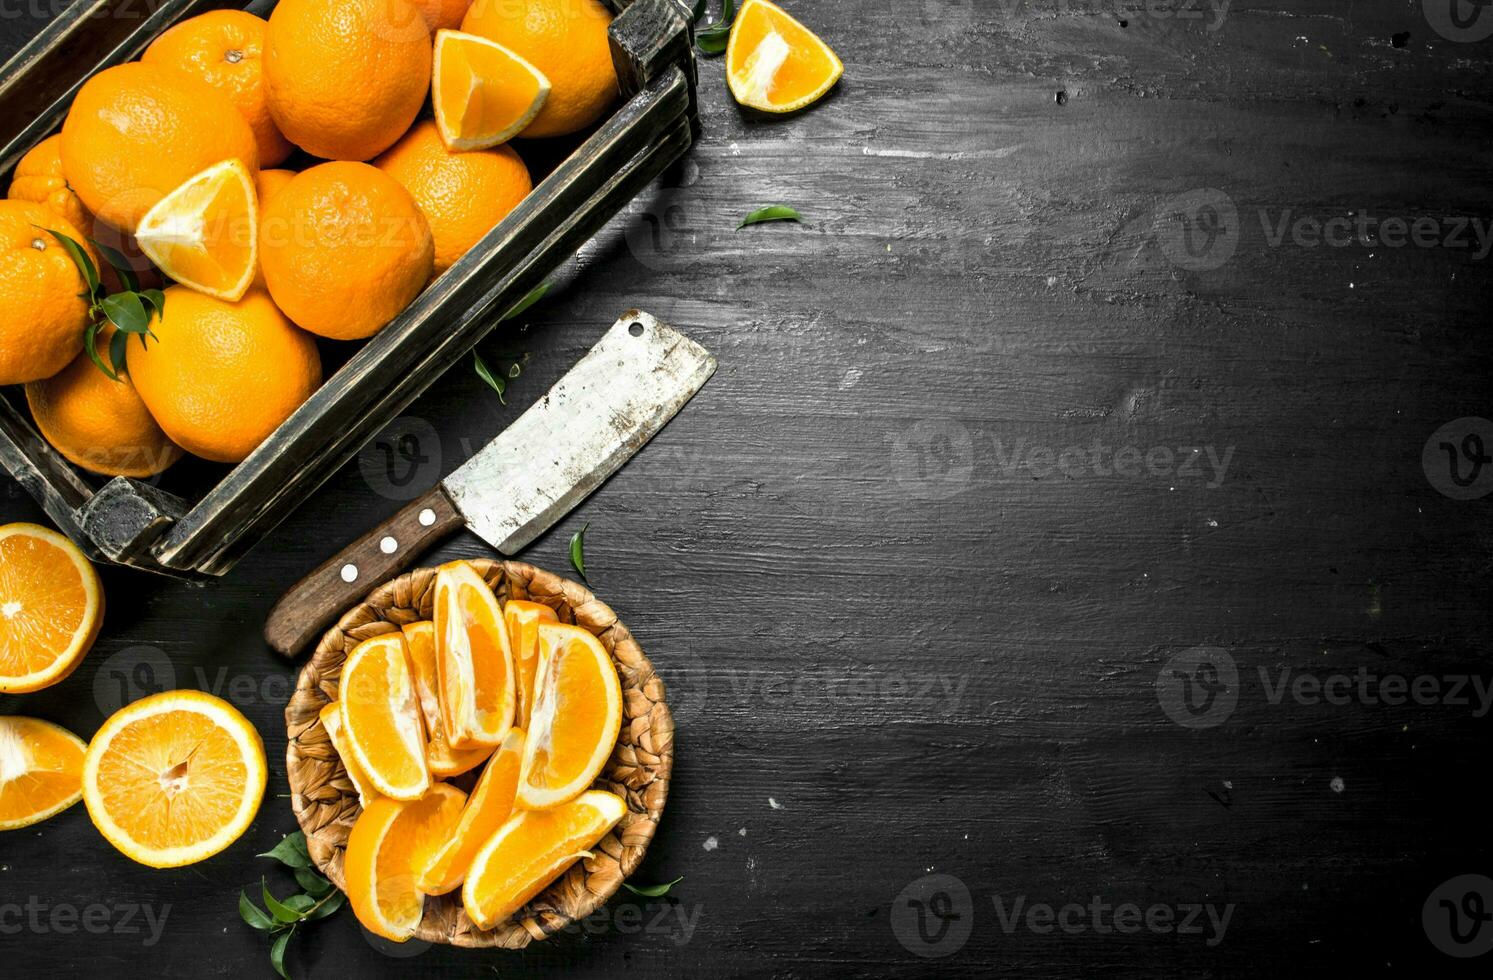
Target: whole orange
136, 132
567, 41
443, 13
267, 184
346, 77
42, 306
462, 194
224, 48
344, 249
222, 376
38, 177
97, 423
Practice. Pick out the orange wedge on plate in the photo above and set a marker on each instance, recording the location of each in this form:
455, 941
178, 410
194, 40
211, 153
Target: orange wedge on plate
174, 778
331, 720
389, 838
205, 233
442, 759
483, 93
533, 849
577, 715
522, 618
487, 809
381, 717
474, 663
51, 605
41, 771
776, 64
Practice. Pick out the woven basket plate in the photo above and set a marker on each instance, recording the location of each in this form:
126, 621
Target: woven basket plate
326, 804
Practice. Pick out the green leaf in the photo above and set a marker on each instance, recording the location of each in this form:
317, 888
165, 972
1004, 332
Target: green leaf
773, 212
253, 914
698, 12
326, 906
80, 259
155, 299
90, 344
302, 903
126, 312
278, 909
653, 891
535, 295
316, 886
117, 352
712, 40
120, 263
578, 551
291, 851
277, 952
486, 374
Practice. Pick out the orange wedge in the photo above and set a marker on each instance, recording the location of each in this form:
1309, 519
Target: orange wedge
174, 778
483, 93
51, 605
487, 809
205, 233
331, 720
776, 64
389, 838
474, 663
533, 849
381, 717
41, 771
440, 757
577, 715
522, 618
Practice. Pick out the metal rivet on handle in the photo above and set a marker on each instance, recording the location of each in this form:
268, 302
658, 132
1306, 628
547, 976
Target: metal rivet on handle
427, 517
349, 572
388, 546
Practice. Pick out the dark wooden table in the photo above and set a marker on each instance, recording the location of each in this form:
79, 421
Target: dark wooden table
1064, 575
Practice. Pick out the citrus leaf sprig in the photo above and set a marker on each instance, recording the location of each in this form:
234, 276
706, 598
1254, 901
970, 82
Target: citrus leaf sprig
280, 919
712, 38
652, 891
578, 552
129, 309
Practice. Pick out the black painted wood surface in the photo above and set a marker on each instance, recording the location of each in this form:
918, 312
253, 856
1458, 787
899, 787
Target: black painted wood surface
1058, 382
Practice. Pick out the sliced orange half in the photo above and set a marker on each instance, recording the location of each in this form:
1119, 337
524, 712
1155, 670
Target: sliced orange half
776, 64
487, 809
174, 778
41, 771
331, 720
204, 234
389, 838
474, 663
381, 717
533, 849
51, 605
577, 715
522, 618
443, 760
483, 93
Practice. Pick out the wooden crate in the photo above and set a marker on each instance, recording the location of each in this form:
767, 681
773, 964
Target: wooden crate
135, 523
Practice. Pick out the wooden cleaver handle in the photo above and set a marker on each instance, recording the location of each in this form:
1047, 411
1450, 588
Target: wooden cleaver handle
304, 612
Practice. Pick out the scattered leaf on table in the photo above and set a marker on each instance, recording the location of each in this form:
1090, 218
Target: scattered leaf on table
773, 212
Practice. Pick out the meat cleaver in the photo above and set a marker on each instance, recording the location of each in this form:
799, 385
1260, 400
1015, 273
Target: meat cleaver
516, 487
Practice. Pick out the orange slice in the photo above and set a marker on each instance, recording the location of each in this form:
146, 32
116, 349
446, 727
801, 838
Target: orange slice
51, 605
41, 771
331, 720
205, 233
533, 849
577, 715
440, 757
381, 718
483, 93
487, 809
776, 64
389, 838
474, 664
522, 618
174, 778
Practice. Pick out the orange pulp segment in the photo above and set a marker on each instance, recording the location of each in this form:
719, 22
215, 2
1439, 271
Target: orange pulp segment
331, 720
483, 93
205, 233
41, 770
474, 663
577, 715
381, 718
487, 809
388, 840
522, 618
442, 759
776, 64
51, 604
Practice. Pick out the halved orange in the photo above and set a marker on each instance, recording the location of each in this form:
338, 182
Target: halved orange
389, 838
776, 64
381, 717
577, 715
487, 809
174, 778
205, 233
51, 605
522, 618
41, 770
331, 720
440, 757
533, 849
483, 94
474, 662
